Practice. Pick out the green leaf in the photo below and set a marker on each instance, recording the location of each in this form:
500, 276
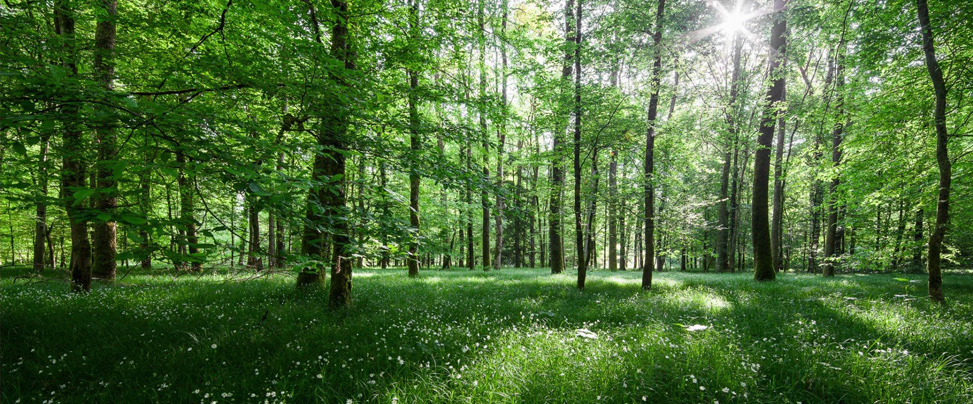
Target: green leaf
82, 194
132, 218
258, 190
19, 148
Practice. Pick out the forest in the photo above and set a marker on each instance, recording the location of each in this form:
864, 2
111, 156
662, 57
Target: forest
538, 201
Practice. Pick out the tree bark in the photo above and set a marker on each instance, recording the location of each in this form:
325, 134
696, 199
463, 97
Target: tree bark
187, 207
582, 261
40, 224
326, 210
484, 195
557, 171
762, 253
648, 186
73, 169
501, 138
612, 214
917, 239
104, 237
933, 261
415, 144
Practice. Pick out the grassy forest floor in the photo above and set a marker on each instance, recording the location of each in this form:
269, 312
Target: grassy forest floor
507, 336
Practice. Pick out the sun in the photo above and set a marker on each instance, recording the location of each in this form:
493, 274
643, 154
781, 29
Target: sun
733, 21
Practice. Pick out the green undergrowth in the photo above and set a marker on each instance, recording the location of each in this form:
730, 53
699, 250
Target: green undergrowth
505, 336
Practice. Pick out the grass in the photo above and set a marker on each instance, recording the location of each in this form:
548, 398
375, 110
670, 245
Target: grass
508, 336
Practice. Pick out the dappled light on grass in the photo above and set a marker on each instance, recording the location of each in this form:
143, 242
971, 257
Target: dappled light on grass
501, 336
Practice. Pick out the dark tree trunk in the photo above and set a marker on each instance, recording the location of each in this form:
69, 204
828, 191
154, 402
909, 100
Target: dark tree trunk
777, 218
582, 261
623, 236
726, 227
557, 170
917, 239
470, 254
763, 259
40, 225
501, 138
649, 185
484, 195
105, 200
933, 262
326, 210
145, 206
187, 207
73, 166
832, 236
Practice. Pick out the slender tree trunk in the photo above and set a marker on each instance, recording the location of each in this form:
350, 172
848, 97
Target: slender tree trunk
40, 224
622, 236
831, 238
582, 260
762, 252
501, 138
145, 205
484, 195
612, 215
470, 254
933, 261
187, 207
917, 239
726, 228
557, 173
649, 185
415, 146
518, 219
777, 219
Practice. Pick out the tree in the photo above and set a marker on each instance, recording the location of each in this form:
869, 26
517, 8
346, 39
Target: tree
73, 172
762, 252
415, 144
934, 250
649, 187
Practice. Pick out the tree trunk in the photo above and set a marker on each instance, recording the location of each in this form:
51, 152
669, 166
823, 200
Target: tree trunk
762, 253
917, 239
501, 138
145, 206
933, 261
649, 186
777, 219
612, 215
831, 238
187, 207
557, 173
415, 144
582, 260
484, 195
105, 201
726, 228
73, 167
40, 225
326, 202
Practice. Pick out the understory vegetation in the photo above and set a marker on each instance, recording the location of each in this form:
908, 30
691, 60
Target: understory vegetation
515, 335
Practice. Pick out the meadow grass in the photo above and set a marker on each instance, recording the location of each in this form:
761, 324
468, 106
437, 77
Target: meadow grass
507, 336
